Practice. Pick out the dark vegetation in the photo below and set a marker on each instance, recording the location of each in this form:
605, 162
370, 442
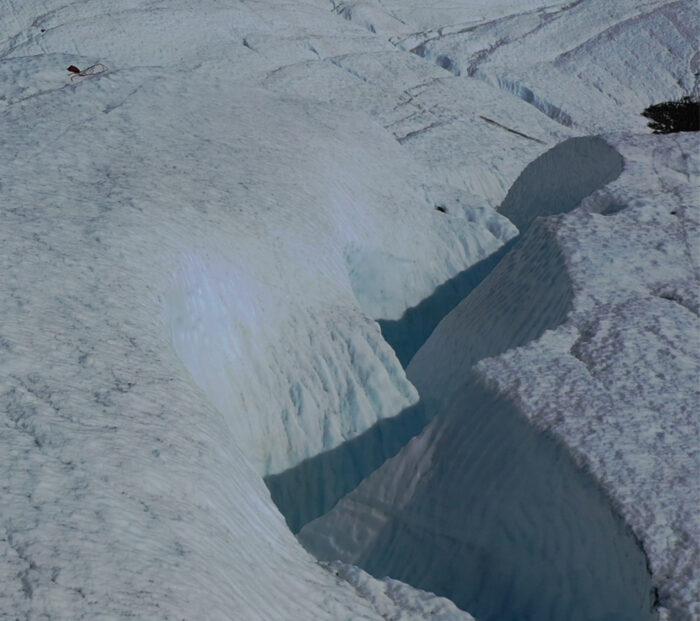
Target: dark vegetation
682, 115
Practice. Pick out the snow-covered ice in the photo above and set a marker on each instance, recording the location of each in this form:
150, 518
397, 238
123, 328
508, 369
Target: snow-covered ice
198, 243
187, 306
590, 65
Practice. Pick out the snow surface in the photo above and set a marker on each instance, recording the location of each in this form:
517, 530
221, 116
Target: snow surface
596, 63
198, 241
190, 266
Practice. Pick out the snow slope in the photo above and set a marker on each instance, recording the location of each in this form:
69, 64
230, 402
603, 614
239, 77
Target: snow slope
597, 310
191, 265
597, 64
125, 491
196, 245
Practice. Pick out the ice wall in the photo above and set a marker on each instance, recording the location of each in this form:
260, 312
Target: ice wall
497, 322
480, 507
607, 380
484, 510
555, 182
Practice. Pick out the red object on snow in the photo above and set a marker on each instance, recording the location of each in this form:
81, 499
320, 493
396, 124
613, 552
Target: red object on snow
92, 70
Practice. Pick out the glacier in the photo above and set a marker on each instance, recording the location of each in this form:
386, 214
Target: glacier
221, 254
548, 338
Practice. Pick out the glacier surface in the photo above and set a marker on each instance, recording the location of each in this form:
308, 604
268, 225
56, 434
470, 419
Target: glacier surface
606, 367
200, 244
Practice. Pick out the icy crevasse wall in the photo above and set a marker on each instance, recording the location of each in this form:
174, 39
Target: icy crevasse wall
271, 298
483, 510
554, 182
609, 380
480, 507
291, 381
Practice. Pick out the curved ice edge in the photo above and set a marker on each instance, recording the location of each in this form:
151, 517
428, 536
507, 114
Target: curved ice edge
481, 507
484, 509
555, 182
382, 543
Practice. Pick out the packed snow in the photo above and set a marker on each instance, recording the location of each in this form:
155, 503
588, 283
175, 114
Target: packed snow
201, 240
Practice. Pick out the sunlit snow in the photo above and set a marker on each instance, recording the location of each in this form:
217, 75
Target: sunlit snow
222, 247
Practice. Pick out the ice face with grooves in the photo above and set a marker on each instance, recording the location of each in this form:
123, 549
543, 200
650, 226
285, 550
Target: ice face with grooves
609, 378
482, 509
556, 181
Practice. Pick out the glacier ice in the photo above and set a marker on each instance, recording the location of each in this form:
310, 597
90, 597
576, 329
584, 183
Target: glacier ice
482, 509
176, 249
199, 242
594, 363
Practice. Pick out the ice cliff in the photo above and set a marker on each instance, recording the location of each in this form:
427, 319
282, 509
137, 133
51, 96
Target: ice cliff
587, 361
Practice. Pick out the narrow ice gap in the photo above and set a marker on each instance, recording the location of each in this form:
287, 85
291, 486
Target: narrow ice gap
494, 516
502, 521
555, 182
